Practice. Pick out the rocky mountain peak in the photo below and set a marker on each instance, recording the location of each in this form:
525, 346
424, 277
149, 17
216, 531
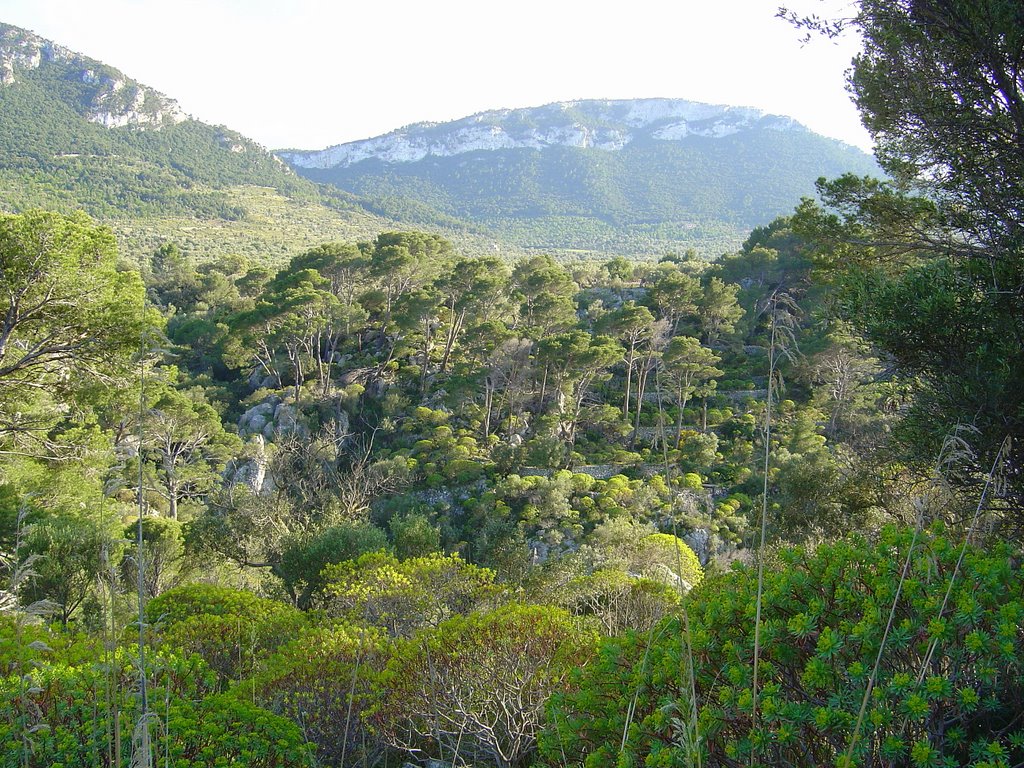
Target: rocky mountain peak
108, 97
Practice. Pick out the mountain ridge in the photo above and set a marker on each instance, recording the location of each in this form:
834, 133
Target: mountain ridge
630, 176
593, 177
605, 124
78, 134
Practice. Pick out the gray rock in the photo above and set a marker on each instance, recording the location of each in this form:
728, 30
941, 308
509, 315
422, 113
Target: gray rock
699, 540
664, 574
352, 376
376, 388
251, 472
284, 421
255, 424
285, 418
254, 419
600, 471
539, 552
341, 424
260, 379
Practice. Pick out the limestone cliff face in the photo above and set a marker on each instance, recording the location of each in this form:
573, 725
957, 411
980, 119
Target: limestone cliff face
105, 95
603, 125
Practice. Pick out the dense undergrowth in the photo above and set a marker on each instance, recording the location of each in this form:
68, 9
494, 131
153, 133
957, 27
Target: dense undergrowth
393, 497
387, 502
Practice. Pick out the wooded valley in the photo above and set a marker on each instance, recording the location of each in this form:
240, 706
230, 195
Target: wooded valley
386, 503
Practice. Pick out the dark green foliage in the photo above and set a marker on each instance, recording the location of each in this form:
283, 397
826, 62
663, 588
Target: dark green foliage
958, 342
63, 714
933, 262
938, 313
166, 563
226, 728
71, 319
414, 536
303, 559
824, 617
69, 701
940, 87
70, 551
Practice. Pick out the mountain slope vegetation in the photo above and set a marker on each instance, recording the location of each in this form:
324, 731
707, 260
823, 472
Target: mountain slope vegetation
387, 501
636, 177
76, 134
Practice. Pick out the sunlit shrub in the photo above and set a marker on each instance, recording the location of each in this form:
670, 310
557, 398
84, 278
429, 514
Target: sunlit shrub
948, 689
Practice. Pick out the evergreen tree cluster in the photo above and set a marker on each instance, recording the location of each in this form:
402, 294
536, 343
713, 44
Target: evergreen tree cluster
389, 502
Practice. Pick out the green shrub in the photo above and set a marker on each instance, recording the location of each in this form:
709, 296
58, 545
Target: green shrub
414, 535
303, 558
230, 629
666, 558
463, 470
180, 603
948, 691
476, 685
402, 596
63, 714
692, 481
322, 680
224, 730
620, 601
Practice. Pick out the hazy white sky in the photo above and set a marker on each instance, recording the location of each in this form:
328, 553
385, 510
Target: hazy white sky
311, 73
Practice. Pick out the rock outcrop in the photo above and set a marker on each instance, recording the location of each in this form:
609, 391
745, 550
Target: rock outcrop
604, 125
109, 98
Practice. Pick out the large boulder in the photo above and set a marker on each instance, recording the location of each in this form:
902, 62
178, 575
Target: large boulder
254, 420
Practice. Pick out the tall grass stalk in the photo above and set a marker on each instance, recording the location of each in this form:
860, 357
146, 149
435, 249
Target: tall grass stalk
351, 698
142, 755
21, 572
782, 342
993, 476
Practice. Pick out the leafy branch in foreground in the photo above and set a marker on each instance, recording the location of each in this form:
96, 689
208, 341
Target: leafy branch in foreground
69, 317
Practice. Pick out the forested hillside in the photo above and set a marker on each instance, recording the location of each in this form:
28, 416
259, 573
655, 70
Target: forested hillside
386, 503
599, 178
76, 134
490, 435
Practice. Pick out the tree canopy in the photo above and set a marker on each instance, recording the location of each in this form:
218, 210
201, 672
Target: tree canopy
932, 260
70, 317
